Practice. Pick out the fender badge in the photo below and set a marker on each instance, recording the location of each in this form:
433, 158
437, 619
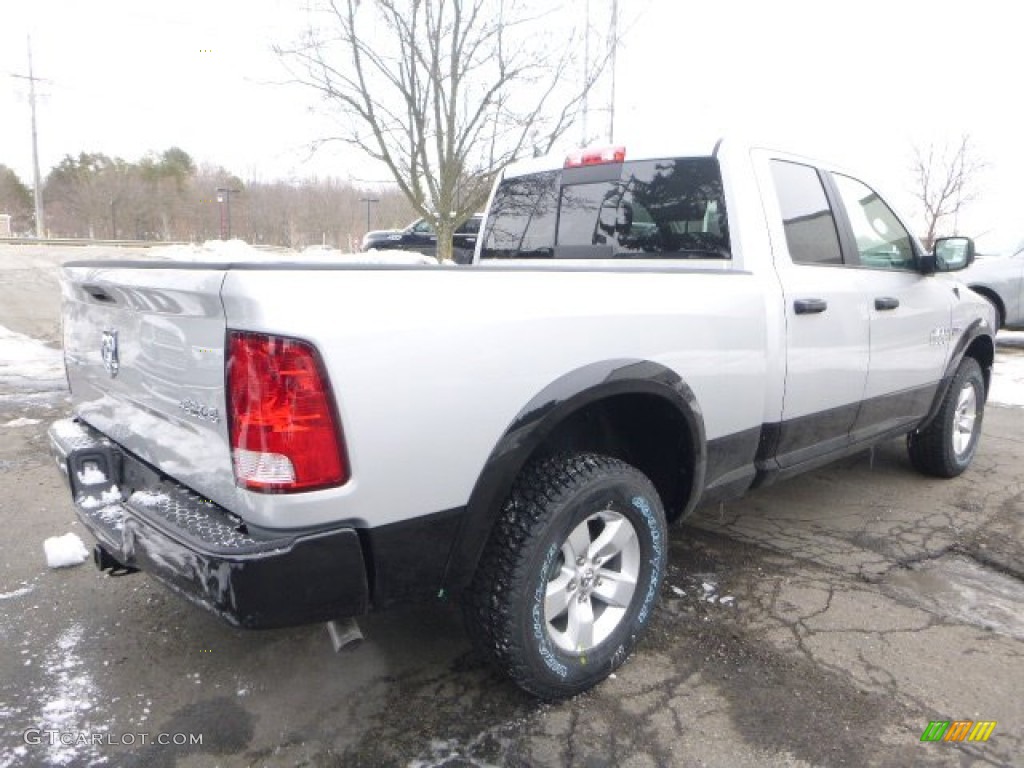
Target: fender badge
199, 411
108, 350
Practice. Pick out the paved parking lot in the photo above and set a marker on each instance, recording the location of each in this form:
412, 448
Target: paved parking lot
824, 621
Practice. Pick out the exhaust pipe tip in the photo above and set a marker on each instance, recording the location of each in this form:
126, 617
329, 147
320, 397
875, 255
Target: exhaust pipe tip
345, 634
107, 563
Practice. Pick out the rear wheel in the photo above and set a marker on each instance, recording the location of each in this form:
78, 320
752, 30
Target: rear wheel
570, 576
947, 445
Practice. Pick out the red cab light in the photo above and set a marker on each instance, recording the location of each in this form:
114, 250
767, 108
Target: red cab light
595, 156
285, 436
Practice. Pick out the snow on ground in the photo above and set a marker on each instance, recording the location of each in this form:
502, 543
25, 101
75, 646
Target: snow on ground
68, 701
22, 422
21, 592
27, 364
1007, 386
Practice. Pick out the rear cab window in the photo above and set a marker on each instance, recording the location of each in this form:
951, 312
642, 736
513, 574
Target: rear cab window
672, 208
807, 219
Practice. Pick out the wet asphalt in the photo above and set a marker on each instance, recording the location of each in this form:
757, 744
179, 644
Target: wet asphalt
823, 621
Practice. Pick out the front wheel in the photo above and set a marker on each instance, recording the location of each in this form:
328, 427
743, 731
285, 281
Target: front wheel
570, 575
947, 445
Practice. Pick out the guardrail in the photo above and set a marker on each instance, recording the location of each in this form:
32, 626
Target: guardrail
116, 243
87, 241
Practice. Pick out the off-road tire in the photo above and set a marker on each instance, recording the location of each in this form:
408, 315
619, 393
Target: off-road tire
933, 449
504, 608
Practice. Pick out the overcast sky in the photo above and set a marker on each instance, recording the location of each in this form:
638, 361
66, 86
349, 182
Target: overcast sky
856, 82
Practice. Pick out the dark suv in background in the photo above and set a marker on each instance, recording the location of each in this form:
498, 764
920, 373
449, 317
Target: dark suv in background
420, 237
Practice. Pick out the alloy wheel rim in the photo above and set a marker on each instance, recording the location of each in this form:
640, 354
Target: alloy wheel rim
965, 419
591, 584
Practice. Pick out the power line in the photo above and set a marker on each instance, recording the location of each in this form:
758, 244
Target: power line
32, 79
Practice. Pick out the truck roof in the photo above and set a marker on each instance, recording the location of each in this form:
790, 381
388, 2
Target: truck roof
691, 145
635, 150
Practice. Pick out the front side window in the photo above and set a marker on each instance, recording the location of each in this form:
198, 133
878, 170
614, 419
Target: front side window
882, 241
672, 208
807, 218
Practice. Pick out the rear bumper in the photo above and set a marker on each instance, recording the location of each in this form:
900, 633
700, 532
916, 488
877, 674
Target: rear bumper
149, 522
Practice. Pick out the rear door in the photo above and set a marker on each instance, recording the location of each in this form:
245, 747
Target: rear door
827, 325
910, 313
144, 349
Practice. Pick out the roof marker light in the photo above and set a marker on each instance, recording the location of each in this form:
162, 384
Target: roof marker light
595, 156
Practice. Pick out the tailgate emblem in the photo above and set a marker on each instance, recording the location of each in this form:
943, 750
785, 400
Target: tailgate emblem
108, 349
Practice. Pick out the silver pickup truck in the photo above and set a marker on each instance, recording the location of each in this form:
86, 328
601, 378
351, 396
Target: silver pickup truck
286, 443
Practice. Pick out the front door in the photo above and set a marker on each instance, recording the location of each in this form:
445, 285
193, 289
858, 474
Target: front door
910, 313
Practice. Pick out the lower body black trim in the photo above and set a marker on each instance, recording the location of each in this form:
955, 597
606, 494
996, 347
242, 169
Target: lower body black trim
407, 560
812, 441
143, 520
901, 410
730, 467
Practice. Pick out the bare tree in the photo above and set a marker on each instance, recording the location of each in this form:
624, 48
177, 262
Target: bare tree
945, 182
445, 93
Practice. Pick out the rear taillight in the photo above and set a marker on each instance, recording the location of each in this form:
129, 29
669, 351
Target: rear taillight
284, 432
595, 156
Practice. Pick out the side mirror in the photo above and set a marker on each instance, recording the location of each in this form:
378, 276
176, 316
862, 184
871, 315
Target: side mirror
952, 254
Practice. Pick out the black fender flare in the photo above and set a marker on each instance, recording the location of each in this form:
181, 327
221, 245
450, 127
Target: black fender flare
978, 329
540, 417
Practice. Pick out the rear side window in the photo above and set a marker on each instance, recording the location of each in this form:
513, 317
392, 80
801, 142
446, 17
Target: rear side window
672, 208
806, 215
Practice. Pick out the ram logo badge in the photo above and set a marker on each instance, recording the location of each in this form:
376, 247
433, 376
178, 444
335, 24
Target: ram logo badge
108, 351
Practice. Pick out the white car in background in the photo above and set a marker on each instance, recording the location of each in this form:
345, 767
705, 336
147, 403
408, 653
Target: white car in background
1000, 279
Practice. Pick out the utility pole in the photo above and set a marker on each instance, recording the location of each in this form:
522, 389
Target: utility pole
586, 69
369, 201
40, 228
615, 46
224, 198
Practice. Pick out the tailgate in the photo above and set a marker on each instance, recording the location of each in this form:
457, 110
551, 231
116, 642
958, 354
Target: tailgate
144, 349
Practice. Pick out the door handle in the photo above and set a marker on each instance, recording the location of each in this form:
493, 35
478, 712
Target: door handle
810, 306
886, 302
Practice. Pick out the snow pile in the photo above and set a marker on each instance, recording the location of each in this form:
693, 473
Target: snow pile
232, 251
214, 251
64, 551
27, 364
373, 256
